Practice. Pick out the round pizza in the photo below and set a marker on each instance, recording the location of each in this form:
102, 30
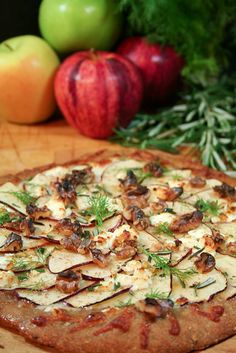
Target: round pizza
119, 252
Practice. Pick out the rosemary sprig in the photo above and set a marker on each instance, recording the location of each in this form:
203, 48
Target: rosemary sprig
204, 284
204, 120
212, 208
99, 208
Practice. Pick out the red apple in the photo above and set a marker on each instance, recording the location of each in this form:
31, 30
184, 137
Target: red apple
98, 91
160, 67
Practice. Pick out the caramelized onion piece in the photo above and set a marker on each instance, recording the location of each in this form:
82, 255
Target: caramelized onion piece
155, 308
154, 169
24, 225
159, 207
126, 252
137, 216
231, 248
66, 227
38, 212
76, 242
99, 258
214, 241
129, 182
205, 262
137, 196
66, 187
186, 222
226, 190
197, 182
13, 243
68, 281
169, 194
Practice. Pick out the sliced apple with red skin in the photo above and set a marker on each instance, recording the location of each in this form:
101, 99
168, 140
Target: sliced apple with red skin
51, 295
118, 170
97, 91
8, 197
62, 260
30, 280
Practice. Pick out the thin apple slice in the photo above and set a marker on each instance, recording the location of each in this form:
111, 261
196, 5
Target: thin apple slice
148, 241
180, 254
195, 238
227, 265
51, 295
113, 267
62, 260
227, 229
89, 296
28, 243
34, 280
8, 197
25, 260
199, 286
118, 170
181, 208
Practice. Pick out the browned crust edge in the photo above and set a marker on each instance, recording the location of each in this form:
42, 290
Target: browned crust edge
197, 332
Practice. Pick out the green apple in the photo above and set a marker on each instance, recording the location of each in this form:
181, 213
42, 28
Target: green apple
71, 25
27, 68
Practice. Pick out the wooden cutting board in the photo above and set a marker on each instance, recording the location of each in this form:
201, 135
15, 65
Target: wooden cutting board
24, 147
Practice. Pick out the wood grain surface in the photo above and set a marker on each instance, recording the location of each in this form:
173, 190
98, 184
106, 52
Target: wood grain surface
23, 147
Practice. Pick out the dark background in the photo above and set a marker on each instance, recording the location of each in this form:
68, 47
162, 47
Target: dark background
18, 17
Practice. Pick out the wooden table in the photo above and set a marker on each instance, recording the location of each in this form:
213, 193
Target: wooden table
24, 147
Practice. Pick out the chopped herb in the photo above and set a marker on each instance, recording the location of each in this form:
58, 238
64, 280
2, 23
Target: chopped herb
124, 304
23, 277
212, 208
23, 196
204, 284
164, 228
99, 208
102, 189
177, 177
157, 295
4, 217
42, 254
37, 285
40, 270
196, 253
116, 285
169, 210
21, 263
94, 286
164, 265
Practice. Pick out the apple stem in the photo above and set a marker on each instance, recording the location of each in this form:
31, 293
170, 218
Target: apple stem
94, 55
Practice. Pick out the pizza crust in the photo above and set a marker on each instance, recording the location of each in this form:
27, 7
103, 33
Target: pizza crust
137, 334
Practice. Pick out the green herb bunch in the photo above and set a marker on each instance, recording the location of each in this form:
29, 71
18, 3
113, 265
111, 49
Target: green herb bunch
204, 120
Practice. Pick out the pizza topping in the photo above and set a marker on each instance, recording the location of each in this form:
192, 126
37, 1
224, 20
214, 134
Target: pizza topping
38, 212
187, 222
215, 240
155, 308
137, 196
205, 262
137, 216
226, 191
98, 258
13, 243
39, 321
66, 187
22, 225
68, 281
154, 169
159, 206
197, 182
129, 182
66, 227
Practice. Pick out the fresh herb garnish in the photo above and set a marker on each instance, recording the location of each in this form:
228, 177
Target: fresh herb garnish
157, 295
212, 208
21, 263
23, 277
42, 255
204, 284
94, 286
99, 208
124, 304
23, 196
164, 265
164, 228
169, 210
40, 270
116, 285
196, 253
4, 217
